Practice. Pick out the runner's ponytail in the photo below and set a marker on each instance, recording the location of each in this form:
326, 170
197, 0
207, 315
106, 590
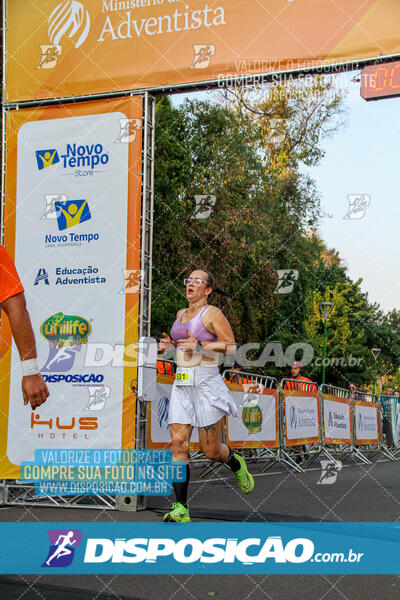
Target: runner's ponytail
211, 283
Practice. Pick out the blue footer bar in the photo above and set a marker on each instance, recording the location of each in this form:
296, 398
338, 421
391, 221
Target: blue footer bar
200, 548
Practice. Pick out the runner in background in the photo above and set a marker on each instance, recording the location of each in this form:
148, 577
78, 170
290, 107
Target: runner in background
199, 396
12, 301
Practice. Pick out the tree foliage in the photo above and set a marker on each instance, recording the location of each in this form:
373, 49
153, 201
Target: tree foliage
265, 218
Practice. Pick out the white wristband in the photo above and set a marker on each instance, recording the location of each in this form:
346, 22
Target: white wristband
30, 367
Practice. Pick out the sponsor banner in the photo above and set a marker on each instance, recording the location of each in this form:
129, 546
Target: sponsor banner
58, 48
199, 548
158, 435
72, 225
257, 425
301, 417
391, 419
366, 422
337, 420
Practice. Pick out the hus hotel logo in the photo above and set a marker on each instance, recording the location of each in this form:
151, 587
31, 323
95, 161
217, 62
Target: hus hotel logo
74, 156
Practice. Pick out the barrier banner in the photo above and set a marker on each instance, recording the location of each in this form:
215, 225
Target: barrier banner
59, 48
337, 419
301, 417
158, 435
366, 422
257, 425
391, 419
72, 225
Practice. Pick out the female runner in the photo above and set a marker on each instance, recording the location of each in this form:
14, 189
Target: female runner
199, 395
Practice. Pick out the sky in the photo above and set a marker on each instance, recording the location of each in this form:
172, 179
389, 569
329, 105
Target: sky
362, 160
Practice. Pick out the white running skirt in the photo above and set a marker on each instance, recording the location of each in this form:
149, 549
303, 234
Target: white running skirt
203, 403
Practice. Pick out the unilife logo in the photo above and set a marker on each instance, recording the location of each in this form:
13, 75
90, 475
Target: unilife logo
65, 330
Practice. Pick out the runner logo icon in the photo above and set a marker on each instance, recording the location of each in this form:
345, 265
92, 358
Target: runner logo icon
63, 543
98, 397
71, 213
46, 158
60, 359
50, 56
50, 210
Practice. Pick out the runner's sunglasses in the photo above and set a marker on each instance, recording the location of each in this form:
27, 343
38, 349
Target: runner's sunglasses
194, 281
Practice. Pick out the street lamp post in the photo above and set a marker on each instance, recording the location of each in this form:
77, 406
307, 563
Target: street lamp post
325, 309
375, 354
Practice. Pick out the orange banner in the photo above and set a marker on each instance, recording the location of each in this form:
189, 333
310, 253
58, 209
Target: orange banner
64, 48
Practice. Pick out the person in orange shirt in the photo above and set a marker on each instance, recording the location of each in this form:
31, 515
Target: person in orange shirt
12, 301
301, 382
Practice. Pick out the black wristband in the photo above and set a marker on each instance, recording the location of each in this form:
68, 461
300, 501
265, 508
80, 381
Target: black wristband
198, 347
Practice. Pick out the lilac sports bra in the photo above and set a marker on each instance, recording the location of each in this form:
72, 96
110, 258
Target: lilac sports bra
194, 326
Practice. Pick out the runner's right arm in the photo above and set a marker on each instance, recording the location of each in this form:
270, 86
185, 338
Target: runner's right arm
34, 389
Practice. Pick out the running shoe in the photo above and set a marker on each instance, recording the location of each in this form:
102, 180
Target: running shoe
178, 513
244, 479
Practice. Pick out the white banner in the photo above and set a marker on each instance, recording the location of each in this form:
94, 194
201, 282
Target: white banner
159, 416
336, 420
257, 418
366, 422
71, 244
301, 417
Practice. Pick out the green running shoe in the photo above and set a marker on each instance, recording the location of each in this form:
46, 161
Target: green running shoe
244, 479
179, 514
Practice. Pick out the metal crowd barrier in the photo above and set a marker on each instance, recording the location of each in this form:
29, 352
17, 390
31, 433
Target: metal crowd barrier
253, 452
339, 446
297, 453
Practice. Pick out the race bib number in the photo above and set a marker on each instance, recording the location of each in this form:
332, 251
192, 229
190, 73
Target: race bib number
184, 376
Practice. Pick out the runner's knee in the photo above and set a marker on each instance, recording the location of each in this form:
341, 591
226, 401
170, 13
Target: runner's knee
179, 446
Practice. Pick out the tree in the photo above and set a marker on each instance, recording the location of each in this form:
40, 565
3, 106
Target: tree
257, 224
264, 218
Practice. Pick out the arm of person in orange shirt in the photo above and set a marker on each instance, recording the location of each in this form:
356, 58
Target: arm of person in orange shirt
34, 389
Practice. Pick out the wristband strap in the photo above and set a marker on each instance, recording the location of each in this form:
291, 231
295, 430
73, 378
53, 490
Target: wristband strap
30, 367
199, 347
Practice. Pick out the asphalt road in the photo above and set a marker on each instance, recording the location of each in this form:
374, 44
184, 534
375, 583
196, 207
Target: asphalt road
360, 493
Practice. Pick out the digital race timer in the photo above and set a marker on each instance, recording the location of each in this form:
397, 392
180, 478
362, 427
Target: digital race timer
381, 81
